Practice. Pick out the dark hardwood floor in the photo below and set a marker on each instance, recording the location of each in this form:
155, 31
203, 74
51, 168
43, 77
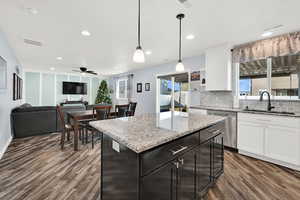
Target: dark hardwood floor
36, 169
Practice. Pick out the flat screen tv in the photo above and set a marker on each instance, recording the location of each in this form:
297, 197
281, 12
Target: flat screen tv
74, 88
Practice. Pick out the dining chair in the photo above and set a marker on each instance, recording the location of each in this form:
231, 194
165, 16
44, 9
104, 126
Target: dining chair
66, 127
99, 113
132, 107
121, 110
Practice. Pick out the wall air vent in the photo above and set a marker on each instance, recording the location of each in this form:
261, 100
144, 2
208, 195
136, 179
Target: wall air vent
32, 42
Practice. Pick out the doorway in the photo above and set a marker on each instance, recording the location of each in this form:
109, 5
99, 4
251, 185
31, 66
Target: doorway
173, 92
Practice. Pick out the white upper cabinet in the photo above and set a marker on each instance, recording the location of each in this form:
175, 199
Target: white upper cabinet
218, 68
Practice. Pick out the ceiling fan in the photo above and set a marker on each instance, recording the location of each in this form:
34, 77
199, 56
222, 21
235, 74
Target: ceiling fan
84, 70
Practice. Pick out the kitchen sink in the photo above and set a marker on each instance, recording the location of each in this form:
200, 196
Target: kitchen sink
265, 111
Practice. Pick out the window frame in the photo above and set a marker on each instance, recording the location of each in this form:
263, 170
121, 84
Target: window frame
118, 89
269, 85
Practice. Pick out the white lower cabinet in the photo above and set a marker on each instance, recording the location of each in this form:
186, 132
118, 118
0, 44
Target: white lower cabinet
282, 144
251, 137
272, 138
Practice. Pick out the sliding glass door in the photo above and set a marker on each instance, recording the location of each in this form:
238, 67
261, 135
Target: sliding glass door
173, 92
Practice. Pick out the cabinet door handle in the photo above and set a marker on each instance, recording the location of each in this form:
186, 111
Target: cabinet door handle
181, 160
174, 152
176, 164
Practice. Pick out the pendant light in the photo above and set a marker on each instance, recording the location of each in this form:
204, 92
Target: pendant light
139, 56
180, 66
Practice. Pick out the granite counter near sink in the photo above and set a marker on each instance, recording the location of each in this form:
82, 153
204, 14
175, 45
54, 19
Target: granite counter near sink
239, 110
218, 108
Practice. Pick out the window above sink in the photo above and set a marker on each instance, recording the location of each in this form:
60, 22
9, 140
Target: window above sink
278, 75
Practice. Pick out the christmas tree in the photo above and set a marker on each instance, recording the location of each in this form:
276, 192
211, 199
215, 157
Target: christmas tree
103, 94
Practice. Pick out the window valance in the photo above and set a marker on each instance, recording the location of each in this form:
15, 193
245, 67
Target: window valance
282, 45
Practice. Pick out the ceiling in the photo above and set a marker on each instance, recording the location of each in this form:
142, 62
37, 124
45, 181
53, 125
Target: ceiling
112, 24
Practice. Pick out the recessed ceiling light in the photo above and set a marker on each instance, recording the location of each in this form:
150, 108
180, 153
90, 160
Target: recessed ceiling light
267, 34
52, 68
33, 11
190, 37
85, 33
59, 58
148, 52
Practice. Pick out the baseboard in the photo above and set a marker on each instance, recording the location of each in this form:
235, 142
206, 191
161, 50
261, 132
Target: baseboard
231, 149
2, 151
270, 160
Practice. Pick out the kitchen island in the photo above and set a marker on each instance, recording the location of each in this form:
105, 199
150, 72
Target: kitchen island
164, 156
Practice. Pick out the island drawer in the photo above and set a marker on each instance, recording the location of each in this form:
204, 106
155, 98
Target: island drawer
212, 131
158, 156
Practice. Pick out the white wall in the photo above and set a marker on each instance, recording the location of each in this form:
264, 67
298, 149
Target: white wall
147, 100
6, 96
48, 91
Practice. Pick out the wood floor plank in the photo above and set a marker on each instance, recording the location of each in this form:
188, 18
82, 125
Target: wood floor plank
36, 169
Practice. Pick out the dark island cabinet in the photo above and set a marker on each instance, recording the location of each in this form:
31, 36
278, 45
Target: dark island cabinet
203, 167
161, 184
189, 175
183, 169
217, 156
174, 181
186, 176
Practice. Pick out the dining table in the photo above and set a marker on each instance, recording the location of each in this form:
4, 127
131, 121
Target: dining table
74, 117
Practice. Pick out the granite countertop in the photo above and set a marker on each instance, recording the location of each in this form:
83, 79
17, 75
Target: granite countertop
243, 111
217, 108
143, 132
271, 113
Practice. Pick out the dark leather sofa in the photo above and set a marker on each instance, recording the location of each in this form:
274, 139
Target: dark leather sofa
30, 121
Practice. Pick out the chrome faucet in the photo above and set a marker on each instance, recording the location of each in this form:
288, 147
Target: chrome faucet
270, 107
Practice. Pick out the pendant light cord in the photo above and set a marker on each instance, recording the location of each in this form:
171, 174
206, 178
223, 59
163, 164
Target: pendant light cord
179, 40
139, 23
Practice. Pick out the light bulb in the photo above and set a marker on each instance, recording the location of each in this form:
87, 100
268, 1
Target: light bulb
139, 56
179, 67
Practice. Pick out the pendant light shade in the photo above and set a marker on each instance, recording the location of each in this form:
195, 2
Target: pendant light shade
180, 66
139, 56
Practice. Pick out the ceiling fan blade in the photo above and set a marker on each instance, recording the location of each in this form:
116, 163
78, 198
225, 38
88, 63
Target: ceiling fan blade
91, 72
76, 71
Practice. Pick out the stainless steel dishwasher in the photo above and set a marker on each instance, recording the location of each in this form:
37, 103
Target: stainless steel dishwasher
230, 135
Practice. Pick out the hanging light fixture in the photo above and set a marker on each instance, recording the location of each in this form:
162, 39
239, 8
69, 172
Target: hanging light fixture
139, 56
180, 66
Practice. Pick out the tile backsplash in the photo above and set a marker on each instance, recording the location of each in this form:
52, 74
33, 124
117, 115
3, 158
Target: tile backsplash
217, 98
280, 105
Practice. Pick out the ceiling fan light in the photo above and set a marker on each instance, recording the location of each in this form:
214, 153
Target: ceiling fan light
179, 67
139, 56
